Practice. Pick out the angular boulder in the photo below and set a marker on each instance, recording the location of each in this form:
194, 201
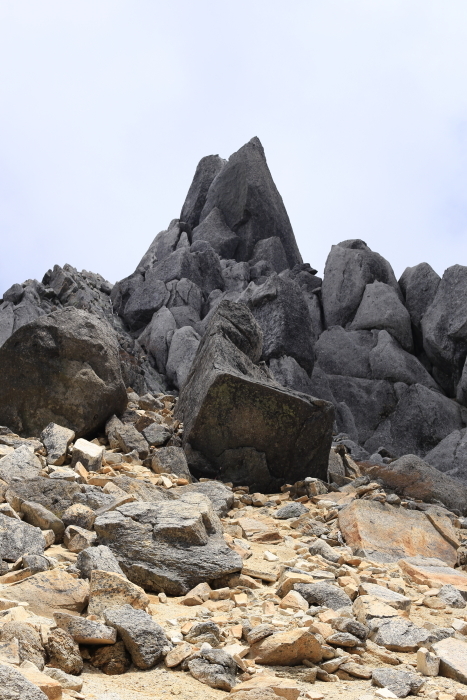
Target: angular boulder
411, 476
18, 538
248, 429
169, 546
245, 193
386, 534
62, 368
143, 638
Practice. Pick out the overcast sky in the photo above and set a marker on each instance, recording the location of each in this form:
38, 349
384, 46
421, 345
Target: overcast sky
106, 106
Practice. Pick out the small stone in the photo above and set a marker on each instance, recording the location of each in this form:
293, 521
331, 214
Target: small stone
80, 515
295, 601
88, 454
269, 556
178, 654
66, 680
314, 695
85, 631
77, 538
290, 510
99, 558
56, 441
451, 596
427, 662
287, 648
64, 652
385, 693
112, 660
256, 634
197, 595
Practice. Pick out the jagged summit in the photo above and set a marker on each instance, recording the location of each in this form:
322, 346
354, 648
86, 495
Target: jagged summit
390, 356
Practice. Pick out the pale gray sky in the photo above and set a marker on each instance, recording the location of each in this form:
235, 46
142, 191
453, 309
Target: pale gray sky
106, 106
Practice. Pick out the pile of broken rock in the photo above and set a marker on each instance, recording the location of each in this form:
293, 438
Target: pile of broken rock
114, 559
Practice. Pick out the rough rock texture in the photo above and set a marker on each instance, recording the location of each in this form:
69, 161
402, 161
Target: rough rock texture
412, 476
248, 428
170, 546
62, 368
16, 687
17, 537
385, 533
143, 638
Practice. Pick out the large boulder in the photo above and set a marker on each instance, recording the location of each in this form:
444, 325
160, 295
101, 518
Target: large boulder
410, 476
245, 193
350, 266
62, 368
208, 168
382, 308
280, 309
450, 455
169, 546
419, 285
384, 533
247, 428
215, 231
444, 327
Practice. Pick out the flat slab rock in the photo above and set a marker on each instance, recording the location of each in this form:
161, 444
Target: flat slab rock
453, 658
50, 591
399, 634
433, 572
384, 533
400, 682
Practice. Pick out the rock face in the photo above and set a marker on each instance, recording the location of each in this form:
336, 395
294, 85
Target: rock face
170, 546
390, 356
62, 368
249, 429
366, 526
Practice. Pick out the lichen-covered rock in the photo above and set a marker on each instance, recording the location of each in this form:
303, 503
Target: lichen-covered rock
63, 652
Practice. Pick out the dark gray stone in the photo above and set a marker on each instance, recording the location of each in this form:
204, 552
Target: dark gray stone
130, 439
382, 308
18, 538
398, 634
419, 285
215, 231
325, 550
389, 361
19, 465
350, 266
401, 683
346, 353
183, 347
157, 435
215, 668
228, 403
207, 170
202, 632
56, 441
221, 497
271, 251
451, 596
290, 510
7, 321
421, 419
143, 638
98, 558
279, 307
323, 593
170, 460
16, 687
171, 547
157, 336
252, 207
444, 327
146, 297
54, 495
46, 375
287, 371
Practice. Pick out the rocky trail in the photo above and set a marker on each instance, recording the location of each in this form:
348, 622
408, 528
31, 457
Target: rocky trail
226, 476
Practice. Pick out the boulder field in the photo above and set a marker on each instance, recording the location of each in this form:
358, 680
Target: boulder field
225, 474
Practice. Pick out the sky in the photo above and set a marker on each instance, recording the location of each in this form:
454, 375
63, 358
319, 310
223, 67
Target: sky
106, 107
